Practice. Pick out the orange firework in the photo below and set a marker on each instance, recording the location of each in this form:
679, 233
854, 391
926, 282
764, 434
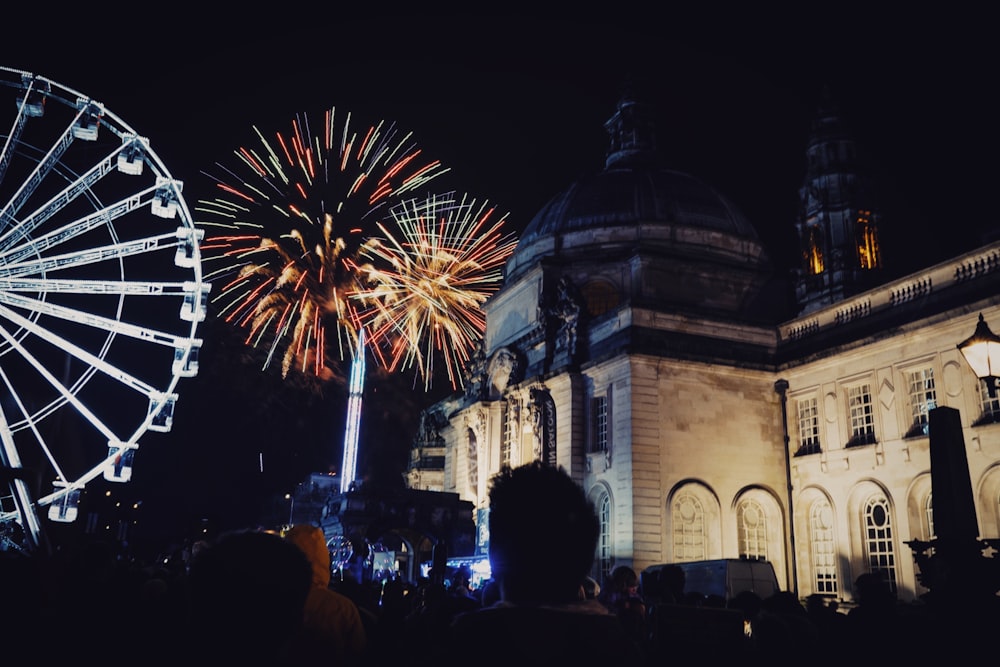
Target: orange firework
288, 224
426, 285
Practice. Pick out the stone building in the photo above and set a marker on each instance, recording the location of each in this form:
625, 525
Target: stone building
642, 341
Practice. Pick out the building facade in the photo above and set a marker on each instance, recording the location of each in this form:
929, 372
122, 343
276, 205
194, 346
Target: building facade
711, 408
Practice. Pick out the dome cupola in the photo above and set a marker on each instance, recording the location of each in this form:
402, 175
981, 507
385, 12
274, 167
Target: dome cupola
635, 207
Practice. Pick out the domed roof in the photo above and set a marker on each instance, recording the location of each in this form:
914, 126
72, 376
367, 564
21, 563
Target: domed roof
632, 192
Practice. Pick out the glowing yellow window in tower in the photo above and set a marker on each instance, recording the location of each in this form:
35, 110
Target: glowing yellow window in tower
869, 256
814, 250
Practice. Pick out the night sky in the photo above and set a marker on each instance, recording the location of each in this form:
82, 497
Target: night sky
515, 105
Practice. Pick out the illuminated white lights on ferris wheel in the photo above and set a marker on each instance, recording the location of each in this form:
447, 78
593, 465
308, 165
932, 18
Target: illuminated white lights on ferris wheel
101, 297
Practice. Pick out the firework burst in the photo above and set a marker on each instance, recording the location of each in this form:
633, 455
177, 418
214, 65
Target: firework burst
426, 284
288, 224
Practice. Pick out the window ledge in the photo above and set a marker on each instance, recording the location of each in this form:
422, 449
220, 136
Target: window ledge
987, 419
861, 440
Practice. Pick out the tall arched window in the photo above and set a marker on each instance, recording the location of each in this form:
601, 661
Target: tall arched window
605, 547
823, 548
814, 250
473, 462
929, 516
752, 530
869, 253
509, 432
689, 528
879, 539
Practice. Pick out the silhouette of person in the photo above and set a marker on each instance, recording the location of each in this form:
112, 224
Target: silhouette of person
766, 632
247, 593
540, 618
874, 621
333, 629
823, 612
803, 634
621, 597
462, 598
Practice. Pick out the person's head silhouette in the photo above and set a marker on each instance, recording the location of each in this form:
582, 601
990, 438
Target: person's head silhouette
543, 534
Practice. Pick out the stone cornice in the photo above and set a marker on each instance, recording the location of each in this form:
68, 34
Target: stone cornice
963, 270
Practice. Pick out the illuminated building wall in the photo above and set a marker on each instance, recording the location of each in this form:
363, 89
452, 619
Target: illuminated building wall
666, 398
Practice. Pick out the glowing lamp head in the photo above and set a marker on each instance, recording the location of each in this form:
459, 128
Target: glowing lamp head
982, 352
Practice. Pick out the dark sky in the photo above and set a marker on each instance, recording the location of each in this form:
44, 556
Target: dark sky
515, 104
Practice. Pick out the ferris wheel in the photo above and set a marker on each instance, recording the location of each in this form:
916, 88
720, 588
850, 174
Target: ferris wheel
101, 296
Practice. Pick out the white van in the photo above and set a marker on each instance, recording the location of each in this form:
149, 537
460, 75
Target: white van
726, 577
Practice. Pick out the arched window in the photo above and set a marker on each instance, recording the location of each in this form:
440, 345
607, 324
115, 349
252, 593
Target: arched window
822, 548
605, 549
879, 539
814, 250
869, 253
689, 528
929, 515
509, 432
752, 530
473, 462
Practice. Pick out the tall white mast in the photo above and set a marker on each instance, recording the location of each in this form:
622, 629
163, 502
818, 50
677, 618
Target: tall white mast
349, 467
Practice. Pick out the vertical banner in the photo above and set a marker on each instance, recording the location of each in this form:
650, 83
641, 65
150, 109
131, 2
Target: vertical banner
482, 531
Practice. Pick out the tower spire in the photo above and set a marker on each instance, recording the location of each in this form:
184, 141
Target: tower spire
838, 220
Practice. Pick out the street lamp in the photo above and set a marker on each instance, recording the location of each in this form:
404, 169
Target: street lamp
982, 351
952, 565
291, 507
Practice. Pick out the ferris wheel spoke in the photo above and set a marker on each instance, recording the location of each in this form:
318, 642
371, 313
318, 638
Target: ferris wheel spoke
96, 321
24, 110
138, 287
63, 391
68, 194
19, 488
13, 457
64, 485
70, 230
157, 401
87, 112
30, 105
92, 255
76, 351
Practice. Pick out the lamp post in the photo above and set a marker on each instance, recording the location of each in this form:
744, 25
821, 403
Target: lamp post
291, 507
982, 352
958, 576
781, 387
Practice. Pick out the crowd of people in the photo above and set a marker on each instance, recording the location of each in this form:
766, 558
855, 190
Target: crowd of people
261, 598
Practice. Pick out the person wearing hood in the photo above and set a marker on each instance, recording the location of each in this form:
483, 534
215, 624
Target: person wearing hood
333, 629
